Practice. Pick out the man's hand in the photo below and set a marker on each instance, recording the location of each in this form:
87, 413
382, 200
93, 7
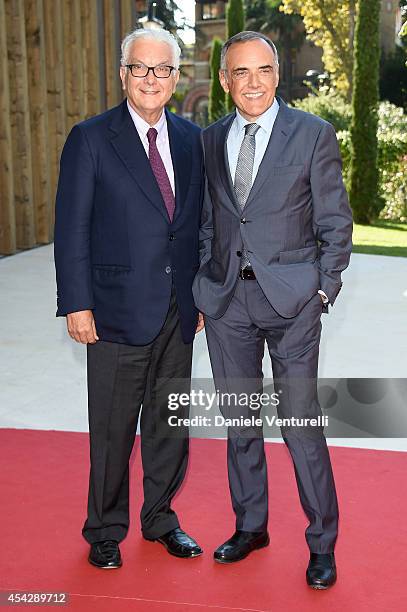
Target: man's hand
81, 326
201, 323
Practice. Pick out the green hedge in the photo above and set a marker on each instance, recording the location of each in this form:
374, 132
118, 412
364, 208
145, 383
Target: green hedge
235, 23
392, 145
364, 182
216, 104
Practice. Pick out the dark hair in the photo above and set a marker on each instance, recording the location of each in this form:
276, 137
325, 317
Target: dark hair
244, 37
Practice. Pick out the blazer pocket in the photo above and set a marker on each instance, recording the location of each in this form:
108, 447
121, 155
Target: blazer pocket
293, 169
111, 267
299, 255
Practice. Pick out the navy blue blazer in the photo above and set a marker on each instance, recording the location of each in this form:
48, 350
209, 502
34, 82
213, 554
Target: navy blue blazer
116, 250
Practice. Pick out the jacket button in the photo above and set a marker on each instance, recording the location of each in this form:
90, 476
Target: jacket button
168, 270
172, 237
243, 220
239, 253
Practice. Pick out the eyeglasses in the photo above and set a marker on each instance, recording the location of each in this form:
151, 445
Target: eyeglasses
141, 70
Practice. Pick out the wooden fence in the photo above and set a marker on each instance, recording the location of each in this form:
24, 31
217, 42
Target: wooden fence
59, 64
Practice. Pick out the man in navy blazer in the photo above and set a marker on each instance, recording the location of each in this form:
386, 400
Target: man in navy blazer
126, 251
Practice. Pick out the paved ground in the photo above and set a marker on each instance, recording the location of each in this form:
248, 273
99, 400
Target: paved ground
42, 371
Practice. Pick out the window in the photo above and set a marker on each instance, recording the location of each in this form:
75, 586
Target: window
212, 10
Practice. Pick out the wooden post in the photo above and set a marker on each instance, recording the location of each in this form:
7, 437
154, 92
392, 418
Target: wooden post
35, 41
7, 213
54, 62
127, 16
112, 52
90, 58
74, 99
59, 64
20, 124
100, 28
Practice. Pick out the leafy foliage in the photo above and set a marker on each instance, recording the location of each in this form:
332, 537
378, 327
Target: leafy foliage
392, 145
330, 25
330, 105
265, 16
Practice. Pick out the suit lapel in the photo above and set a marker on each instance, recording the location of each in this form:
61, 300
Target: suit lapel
181, 161
281, 130
128, 146
222, 158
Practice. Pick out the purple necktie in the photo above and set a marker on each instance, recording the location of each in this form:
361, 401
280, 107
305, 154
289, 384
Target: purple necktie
160, 173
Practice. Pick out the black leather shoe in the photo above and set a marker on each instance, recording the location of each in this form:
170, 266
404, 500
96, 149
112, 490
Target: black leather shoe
240, 545
180, 544
321, 571
105, 554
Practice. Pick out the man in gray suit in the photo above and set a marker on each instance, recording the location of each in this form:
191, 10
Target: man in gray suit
276, 235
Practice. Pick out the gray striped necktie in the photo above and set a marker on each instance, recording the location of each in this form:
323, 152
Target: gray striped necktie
244, 174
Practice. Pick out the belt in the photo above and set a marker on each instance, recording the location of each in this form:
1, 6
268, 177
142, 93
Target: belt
247, 274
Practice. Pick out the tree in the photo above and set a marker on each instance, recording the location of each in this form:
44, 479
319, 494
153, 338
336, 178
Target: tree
235, 17
235, 23
265, 16
330, 24
364, 176
166, 12
216, 106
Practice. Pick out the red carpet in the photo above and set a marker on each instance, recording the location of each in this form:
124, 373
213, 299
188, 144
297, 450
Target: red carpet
43, 482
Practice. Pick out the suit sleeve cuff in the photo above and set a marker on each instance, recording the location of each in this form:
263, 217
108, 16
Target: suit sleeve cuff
325, 298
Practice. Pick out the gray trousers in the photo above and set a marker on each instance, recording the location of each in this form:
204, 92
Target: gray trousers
236, 348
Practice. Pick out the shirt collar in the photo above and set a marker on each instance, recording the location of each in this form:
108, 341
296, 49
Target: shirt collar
142, 126
265, 121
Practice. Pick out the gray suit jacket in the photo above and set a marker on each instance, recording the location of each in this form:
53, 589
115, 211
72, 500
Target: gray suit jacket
296, 225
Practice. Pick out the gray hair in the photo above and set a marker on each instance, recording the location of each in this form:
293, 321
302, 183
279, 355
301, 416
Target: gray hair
245, 37
159, 34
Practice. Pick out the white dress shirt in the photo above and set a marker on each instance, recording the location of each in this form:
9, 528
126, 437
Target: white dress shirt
235, 138
237, 132
163, 142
